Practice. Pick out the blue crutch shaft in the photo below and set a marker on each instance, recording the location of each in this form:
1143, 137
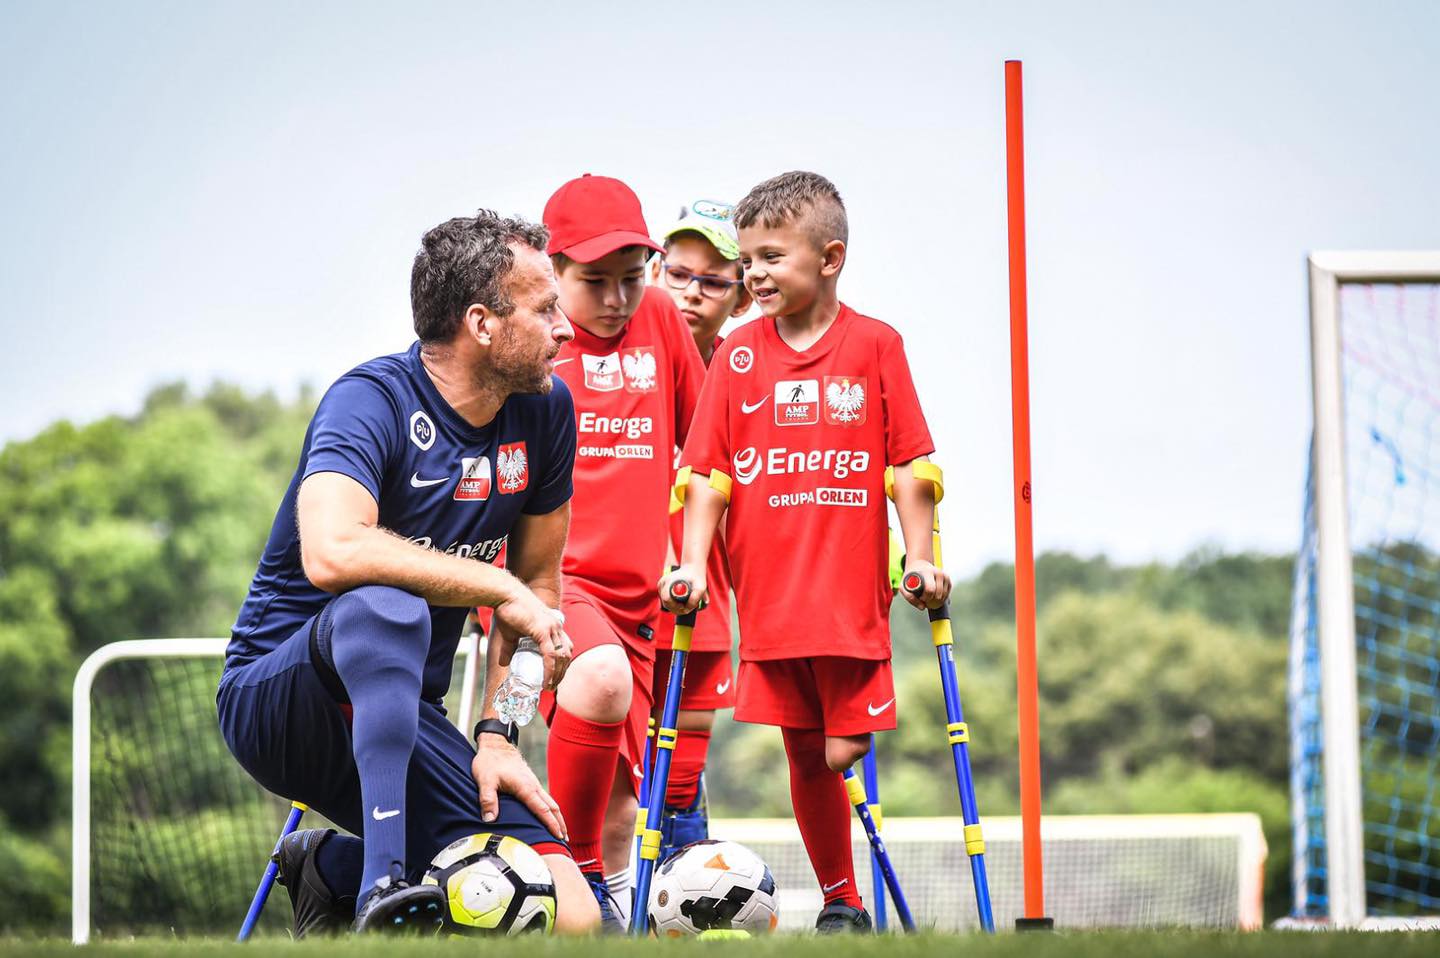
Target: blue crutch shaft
646, 770
958, 734
877, 876
856, 790
665, 737
267, 880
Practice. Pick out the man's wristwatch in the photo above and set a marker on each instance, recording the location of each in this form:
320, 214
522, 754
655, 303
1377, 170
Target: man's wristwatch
509, 730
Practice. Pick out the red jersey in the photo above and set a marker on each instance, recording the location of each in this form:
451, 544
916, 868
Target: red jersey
712, 627
635, 394
805, 438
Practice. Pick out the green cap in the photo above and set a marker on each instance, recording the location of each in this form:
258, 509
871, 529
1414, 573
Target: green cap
712, 220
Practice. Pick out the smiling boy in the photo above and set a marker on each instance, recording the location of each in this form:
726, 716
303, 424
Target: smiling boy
801, 414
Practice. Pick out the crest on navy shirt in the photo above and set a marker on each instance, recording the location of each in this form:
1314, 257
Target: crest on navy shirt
639, 367
602, 373
513, 467
475, 479
845, 400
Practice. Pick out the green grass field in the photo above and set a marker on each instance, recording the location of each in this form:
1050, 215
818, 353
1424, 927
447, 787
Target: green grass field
1074, 945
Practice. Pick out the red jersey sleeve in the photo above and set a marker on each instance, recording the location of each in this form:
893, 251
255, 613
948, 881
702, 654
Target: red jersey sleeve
689, 371
906, 434
708, 445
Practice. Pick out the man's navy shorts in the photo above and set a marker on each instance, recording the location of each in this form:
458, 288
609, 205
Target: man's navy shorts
293, 737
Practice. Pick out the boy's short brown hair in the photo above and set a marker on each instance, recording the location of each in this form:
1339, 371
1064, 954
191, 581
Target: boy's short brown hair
807, 199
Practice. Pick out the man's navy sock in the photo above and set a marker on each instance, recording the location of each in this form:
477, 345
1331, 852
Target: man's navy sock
378, 640
340, 862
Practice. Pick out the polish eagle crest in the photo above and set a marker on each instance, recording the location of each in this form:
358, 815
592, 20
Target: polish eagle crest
639, 369
512, 467
846, 399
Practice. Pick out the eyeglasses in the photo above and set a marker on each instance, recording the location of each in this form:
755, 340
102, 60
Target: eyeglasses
711, 287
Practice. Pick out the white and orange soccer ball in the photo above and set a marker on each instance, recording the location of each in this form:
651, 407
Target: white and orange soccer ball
713, 886
494, 885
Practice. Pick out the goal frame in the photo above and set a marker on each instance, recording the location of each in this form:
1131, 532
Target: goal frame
471, 650
1335, 581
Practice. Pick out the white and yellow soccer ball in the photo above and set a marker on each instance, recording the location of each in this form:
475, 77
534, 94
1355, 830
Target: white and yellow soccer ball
495, 885
713, 886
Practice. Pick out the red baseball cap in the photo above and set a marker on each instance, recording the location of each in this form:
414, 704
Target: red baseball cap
593, 216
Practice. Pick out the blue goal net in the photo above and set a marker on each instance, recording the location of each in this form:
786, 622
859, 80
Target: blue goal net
1390, 362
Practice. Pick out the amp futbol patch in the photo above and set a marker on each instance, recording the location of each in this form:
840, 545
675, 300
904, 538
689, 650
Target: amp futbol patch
475, 479
602, 373
638, 365
797, 402
513, 467
845, 398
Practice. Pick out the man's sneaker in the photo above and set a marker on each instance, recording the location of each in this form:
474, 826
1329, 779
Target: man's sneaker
610, 923
396, 906
681, 826
316, 910
839, 918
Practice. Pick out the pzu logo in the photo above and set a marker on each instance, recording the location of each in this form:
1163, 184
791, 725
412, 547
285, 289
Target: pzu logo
422, 430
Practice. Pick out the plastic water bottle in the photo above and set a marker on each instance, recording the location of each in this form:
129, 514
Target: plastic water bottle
519, 695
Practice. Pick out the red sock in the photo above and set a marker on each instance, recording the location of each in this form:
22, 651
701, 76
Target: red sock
686, 764
581, 764
822, 810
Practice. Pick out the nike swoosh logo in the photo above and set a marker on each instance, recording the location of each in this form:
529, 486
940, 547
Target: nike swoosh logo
723, 687
874, 711
639, 772
748, 408
829, 888
561, 362
419, 483
380, 816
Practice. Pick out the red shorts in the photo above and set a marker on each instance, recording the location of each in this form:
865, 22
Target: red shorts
842, 696
709, 680
588, 627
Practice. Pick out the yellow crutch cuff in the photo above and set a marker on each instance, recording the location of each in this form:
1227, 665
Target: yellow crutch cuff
958, 732
666, 738
877, 815
640, 815
677, 491
940, 633
920, 469
721, 483
650, 844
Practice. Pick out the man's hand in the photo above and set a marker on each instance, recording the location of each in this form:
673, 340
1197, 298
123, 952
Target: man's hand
524, 614
698, 590
499, 767
937, 585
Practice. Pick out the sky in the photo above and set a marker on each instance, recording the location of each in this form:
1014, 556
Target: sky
235, 191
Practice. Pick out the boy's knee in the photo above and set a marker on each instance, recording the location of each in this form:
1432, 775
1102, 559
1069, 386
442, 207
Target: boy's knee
843, 752
597, 685
576, 911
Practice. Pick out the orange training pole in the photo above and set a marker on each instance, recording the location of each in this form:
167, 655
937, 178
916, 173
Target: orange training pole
1027, 684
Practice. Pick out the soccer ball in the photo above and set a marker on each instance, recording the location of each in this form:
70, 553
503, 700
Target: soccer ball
713, 885
495, 885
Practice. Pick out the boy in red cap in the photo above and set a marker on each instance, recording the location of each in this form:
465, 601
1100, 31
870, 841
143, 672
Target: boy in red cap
801, 414
635, 376
700, 270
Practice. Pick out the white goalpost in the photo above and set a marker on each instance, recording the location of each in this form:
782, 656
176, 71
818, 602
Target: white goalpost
1365, 706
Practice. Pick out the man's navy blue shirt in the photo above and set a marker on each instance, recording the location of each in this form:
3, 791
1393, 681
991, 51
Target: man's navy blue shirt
439, 482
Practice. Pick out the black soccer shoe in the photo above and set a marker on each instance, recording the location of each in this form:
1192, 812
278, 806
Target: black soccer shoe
316, 910
610, 923
839, 918
394, 906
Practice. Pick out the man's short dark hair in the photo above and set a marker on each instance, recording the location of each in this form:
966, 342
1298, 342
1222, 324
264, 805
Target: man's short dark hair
466, 261
806, 199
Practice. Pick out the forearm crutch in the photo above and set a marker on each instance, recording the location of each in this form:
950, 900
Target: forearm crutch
877, 876
267, 881
665, 735
856, 789
642, 813
956, 730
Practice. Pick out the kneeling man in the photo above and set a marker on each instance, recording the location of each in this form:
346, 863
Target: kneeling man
417, 469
